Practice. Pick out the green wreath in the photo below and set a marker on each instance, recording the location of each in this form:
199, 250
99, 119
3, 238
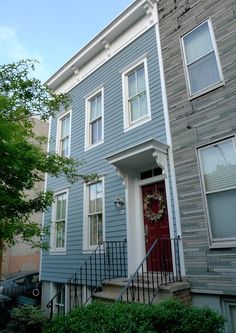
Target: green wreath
148, 200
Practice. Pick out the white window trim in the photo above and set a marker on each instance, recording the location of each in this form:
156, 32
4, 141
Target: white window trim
88, 144
214, 242
86, 247
215, 49
127, 125
53, 249
58, 136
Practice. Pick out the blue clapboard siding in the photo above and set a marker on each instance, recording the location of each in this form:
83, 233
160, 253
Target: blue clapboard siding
60, 267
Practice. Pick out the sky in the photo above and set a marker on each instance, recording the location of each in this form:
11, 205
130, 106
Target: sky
52, 31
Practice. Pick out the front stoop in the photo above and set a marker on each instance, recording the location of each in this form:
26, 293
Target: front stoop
180, 290
112, 288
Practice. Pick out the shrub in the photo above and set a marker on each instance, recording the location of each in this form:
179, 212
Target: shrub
170, 316
29, 314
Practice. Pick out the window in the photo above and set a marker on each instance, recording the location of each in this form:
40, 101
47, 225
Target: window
60, 299
94, 214
59, 222
63, 140
94, 119
202, 65
136, 95
218, 170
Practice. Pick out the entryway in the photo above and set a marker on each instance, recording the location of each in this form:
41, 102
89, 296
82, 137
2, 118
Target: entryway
156, 226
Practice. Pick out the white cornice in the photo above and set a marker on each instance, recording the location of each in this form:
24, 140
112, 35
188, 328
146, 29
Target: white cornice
131, 23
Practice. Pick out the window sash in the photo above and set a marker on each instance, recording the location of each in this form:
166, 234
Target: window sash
201, 61
95, 214
59, 220
60, 234
64, 137
95, 229
96, 131
94, 119
218, 171
137, 96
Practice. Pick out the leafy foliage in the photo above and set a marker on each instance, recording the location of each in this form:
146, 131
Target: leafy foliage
171, 316
23, 159
29, 314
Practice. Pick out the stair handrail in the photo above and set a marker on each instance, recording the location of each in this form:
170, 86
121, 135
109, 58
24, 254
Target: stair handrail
131, 279
50, 303
132, 284
100, 249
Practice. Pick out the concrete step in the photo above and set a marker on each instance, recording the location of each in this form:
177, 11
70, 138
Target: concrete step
137, 292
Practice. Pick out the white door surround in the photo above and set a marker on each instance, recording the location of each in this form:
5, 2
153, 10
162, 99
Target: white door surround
129, 163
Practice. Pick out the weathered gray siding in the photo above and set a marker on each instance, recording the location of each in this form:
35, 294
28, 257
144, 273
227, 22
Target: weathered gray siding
212, 116
59, 268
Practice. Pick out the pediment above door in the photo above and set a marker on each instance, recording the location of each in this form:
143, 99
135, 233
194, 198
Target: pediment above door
145, 154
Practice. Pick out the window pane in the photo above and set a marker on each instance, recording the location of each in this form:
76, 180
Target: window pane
134, 108
99, 105
143, 104
99, 195
61, 207
100, 229
203, 73
219, 166
65, 147
132, 85
222, 210
198, 43
65, 122
99, 129
93, 109
92, 198
93, 230
60, 234
94, 132
96, 232
140, 79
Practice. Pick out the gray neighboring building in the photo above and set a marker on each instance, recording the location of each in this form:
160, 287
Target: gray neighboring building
198, 40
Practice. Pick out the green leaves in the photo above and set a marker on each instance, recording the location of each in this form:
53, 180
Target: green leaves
171, 316
23, 159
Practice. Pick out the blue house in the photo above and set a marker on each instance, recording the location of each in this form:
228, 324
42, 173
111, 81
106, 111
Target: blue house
125, 224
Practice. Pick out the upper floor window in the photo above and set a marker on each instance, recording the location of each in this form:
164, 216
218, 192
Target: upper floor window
94, 225
59, 220
202, 64
94, 119
136, 95
218, 170
63, 135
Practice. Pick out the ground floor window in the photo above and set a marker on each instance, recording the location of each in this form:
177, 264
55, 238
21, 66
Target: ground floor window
60, 299
229, 313
94, 217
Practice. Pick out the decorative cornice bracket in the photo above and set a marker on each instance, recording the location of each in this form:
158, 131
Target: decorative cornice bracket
161, 160
107, 46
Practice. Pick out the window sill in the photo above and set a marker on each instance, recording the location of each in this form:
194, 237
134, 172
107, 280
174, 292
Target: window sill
206, 91
57, 252
222, 245
93, 146
136, 124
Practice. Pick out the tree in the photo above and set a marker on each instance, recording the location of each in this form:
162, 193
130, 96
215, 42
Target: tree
23, 161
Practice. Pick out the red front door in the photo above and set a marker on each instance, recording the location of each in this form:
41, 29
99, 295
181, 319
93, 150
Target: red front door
156, 226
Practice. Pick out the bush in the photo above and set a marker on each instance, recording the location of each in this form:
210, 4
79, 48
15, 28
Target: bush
171, 316
29, 314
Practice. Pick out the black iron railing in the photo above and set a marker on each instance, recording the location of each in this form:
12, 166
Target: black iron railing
107, 261
160, 266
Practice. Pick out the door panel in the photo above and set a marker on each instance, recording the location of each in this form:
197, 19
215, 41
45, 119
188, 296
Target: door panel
157, 226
